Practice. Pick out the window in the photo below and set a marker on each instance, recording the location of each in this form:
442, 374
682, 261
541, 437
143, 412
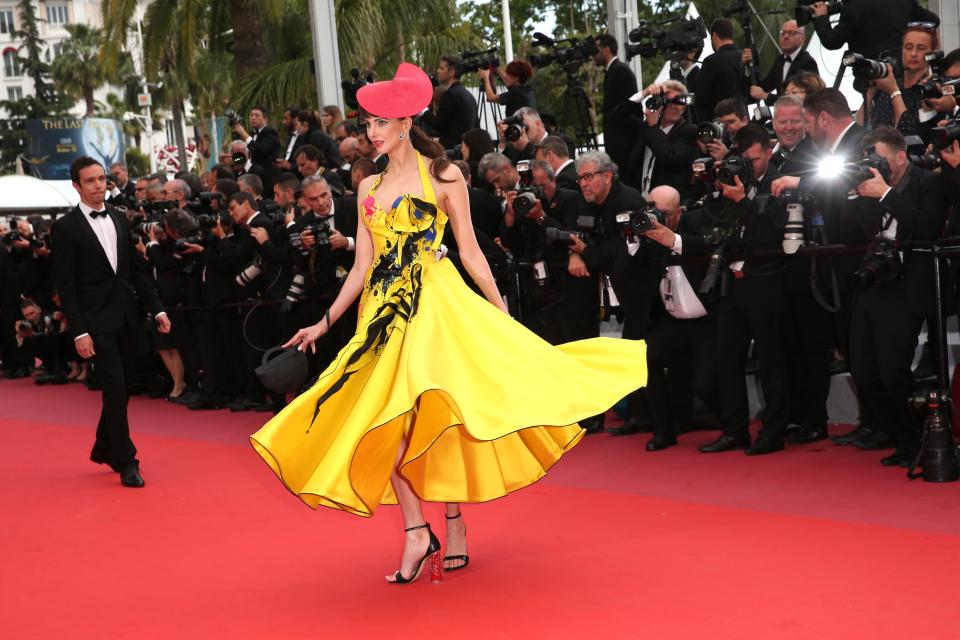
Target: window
6, 21
14, 93
11, 63
56, 14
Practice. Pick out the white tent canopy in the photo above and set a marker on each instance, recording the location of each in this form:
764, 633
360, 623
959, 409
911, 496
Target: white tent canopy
828, 61
26, 193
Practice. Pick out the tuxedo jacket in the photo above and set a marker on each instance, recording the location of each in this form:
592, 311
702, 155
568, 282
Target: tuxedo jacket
94, 298
773, 83
674, 153
568, 179
619, 83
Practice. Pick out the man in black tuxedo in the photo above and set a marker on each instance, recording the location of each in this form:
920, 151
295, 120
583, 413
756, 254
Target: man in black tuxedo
619, 83
263, 143
666, 144
457, 112
869, 27
721, 71
793, 59
122, 177
681, 342
99, 281
554, 151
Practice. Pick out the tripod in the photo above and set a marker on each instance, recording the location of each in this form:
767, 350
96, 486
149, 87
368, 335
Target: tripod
488, 113
576, 100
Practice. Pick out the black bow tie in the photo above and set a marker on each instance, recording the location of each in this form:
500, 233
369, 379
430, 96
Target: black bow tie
97, 214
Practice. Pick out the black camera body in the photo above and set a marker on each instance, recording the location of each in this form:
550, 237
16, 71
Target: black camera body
857, 172
803, 13
866, 70
735, 166
232, 118
473, 61
881, 265
569, 52
15, 236
946, 135
529, 193
712, 131
320, 231
203, 203
634, 223
515, 127
654, 103
351, 86
651, 41
588, 228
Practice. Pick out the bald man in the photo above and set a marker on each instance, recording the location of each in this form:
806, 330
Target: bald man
793, 59
682, 339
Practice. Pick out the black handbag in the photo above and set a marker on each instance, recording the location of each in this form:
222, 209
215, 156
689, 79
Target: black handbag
283, 370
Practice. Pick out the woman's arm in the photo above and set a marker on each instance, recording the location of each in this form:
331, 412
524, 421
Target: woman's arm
487, 88
352, 286
457, 207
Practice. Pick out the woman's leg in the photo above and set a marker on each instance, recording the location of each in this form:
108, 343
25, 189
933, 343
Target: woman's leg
456, 536
174, 365
415, 542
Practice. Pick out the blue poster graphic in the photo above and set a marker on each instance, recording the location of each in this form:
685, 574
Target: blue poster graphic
56, 142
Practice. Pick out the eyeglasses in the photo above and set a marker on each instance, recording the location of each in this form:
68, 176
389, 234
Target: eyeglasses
587, 177
791, 34
921, 25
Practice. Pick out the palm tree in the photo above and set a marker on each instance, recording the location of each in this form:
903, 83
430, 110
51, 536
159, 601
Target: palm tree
77, 70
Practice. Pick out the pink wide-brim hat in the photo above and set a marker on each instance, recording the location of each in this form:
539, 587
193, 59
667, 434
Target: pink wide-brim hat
407, 94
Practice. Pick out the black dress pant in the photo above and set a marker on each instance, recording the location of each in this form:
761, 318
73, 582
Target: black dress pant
681, 362
752, 309
808, 332
883, 341
113, 359
220, 354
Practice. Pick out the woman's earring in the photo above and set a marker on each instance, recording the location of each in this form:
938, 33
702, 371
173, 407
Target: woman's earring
403, 134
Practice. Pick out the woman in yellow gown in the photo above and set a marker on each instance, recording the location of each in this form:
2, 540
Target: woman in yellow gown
439, 396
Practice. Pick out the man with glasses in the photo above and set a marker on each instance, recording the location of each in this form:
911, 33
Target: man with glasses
794, 58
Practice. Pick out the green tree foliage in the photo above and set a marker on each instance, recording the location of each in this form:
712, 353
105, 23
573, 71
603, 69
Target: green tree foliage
77, 70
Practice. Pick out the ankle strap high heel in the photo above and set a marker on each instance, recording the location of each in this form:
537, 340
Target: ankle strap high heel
432, 550
465, 558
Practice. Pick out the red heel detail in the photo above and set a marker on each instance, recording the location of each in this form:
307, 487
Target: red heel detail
436, 568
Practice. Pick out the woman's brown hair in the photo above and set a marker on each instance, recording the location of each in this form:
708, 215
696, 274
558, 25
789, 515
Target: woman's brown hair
424, 144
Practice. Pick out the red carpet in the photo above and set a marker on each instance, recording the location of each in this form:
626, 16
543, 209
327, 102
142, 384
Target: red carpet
815, 542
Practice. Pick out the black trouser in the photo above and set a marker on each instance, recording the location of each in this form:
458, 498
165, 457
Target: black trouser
681, 361
113, 358
220, 352
742, 314
260, 332
883, 341
808, 332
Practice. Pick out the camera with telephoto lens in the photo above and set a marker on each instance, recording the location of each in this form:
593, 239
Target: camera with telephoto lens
802, 216
588, 228
529, 193
713, 131
15, 236
320, 231
232, 118
735, 166
473, 61
855, 173
803, 12
653, 40
250, 272
634, 223
566, 53
351, 86
515, 127
866, 70
203, 203
937, 86
273, 210
945, 136
881, 265
917, 154
659, 101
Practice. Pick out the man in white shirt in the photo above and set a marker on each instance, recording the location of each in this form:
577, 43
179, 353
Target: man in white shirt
99, 282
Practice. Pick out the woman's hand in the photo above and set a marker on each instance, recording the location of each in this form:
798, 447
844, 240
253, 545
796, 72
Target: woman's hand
307, 336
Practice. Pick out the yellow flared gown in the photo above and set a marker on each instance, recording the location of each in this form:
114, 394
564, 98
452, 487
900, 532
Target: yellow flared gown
486, 407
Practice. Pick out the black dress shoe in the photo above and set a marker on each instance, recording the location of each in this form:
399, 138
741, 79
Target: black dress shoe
102, 459
725, 443
765, 445
130, 476
850, 436
898, 458
628, 428
659, 443
593, 425
205, 405
241, 404
806, 435
873, 441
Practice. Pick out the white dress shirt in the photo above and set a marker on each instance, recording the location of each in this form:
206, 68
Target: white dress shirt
293, 141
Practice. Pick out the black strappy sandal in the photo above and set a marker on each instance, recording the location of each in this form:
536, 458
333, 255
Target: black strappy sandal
465, 558
432, 549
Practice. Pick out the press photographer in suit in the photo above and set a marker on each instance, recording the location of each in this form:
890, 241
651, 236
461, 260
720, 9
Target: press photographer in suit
869, 27
457, 111
721, 71
793, 58
619, 83
554, 151
263, 144
99, 282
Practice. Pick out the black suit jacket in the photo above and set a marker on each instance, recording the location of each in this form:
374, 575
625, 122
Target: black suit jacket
774, 81
265, 148
485, 211
719, 78
456, 115
870, 27
674, 152
94, 298
568, 179
619, 83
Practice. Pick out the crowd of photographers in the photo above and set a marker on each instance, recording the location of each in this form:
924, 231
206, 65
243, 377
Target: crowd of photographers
705, 226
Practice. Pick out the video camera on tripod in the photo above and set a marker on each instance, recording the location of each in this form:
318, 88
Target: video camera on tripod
652, 40
351, 86
473, 61
803, 12
567, 52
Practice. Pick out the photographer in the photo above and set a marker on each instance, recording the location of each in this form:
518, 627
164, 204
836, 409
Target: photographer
793, 59
721, 71
322, 245
285, 193
178, 191
554, 151
521, 133
751, 301
681, 342
666, 144
634, 278
312, 162
895, 289
731, 114
868, 27
619, 83
515, 77
43, 336
457, 112
263, 144
899, 101
118, 170
793, 153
